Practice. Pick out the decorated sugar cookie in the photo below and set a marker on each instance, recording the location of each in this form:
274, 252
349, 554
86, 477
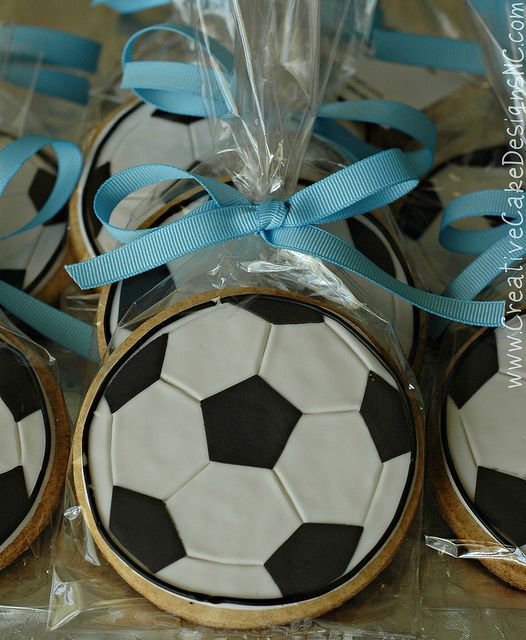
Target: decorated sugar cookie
32, 261
135, 134
248, 462
34, 448
366, 233
420, 212
479, 466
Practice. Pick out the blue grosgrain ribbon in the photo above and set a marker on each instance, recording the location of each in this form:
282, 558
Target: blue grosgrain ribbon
52, 323
24, 46
292, 224
176, 87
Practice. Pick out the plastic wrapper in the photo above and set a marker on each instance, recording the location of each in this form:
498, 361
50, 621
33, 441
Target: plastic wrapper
35, 448
265, 161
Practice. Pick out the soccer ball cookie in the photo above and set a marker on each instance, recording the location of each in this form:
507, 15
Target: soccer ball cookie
480, 453
366, 233
249, 461
420, 212
34, 448
135, 134
33, 260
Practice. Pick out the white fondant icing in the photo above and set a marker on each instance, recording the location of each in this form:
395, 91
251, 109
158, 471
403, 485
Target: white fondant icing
510, 350
384, 505
313, 368
253, 581
330, 467
49, 241
369, 360
494, 422
231, 513
10, 454
33, 447
158, 455
461, 453
99, 455
224, 347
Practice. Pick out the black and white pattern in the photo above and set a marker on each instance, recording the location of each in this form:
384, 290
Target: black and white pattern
138, 134
28, 260
26, 443
421, 213
255, 450
483, 435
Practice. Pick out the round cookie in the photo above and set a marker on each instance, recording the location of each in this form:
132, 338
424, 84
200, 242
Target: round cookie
479, 450
248, 463
137, 133
34, 447
367, 233
32, 261
419, 214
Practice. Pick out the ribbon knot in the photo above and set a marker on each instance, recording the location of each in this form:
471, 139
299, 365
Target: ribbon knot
272, 214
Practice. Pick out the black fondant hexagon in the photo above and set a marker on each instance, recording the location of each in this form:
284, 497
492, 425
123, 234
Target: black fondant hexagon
17, 385
366, 241
314, 556
14, 277
279, 310
97, 177
41, 188
248, 424
385, 414
420, 209
479, 364
501, 500
143, 526
14, 501
174, 117
137, 373
135, 287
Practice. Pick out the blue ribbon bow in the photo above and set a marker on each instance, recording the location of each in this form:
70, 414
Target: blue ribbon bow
52, 323
366, 185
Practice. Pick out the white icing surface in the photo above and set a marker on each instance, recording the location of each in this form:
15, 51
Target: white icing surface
330, 467
494, 424
10, 455
33, 447
233, 514
99, 451
387, 305
32, 250
510, 350
461, 453
158, 456
382, 510
327, 376
140, 138
212, 343
222, 579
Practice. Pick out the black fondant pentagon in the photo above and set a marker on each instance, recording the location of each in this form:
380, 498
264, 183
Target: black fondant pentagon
314, 556
14, 277
248, 424
142, 525
41, 188
279, 310
136, 374
501, 500
17, 385
174, 117
384, 412
135, 287
366, 241
97, 177
419, 210
14, 501
479, 364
